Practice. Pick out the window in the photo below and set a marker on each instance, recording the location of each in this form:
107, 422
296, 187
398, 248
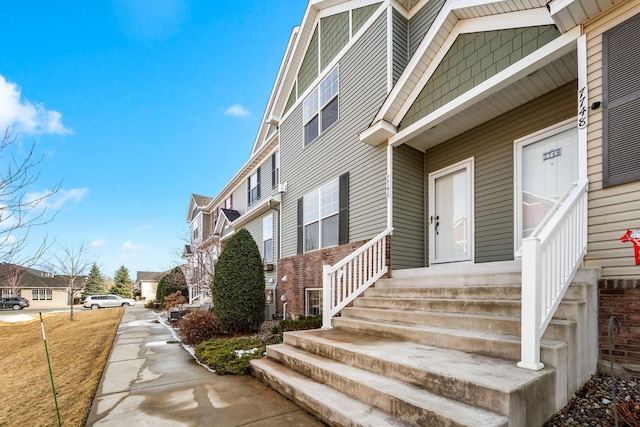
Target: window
7, 293
228, 202
195, 234
41, 294
320, 109
313, 301
323, 216
267, 238
621, 103
275, 169
253, 187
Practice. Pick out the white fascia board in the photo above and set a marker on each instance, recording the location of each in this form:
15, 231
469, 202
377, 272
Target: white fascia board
556, 6
256, 212
526, 18
546, 54
378, 133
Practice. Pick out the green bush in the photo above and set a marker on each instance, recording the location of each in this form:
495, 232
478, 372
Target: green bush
197, 327
171, 283
238, 285
302, 323
230, 355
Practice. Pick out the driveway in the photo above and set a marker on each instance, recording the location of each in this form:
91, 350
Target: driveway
151, 380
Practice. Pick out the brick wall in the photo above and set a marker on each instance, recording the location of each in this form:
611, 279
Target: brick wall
620, 298
305, 271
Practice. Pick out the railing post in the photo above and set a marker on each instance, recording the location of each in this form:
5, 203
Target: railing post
327, 292
531, 305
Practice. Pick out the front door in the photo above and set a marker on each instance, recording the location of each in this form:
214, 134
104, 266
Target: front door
451, 213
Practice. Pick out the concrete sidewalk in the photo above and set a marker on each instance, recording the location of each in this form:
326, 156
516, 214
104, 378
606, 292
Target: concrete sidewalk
150, 380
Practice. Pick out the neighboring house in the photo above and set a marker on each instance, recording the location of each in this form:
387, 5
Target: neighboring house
147, 284
41, 288
472, 159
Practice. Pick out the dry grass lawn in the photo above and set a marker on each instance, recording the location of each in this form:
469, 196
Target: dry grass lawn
78, 351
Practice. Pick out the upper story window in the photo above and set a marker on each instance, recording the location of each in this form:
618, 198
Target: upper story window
228, 202
267, 238
275, 169
195, 234
321, 210
253, 187
320, 109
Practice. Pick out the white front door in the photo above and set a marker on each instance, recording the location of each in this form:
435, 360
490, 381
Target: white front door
451, 213
547, 167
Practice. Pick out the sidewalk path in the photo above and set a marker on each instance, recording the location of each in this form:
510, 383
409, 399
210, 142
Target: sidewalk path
150, 380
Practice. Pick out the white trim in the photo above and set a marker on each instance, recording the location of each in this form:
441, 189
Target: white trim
518, 146
543, 56
469, 166
306, 300
583, 85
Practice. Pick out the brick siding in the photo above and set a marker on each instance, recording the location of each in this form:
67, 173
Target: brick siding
305, 271
619, 298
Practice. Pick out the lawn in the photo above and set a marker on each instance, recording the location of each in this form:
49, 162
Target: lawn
78, 351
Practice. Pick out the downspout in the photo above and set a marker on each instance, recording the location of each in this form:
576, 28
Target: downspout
278, 220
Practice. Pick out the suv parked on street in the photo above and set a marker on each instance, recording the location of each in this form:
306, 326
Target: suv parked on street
95, 302
14, 303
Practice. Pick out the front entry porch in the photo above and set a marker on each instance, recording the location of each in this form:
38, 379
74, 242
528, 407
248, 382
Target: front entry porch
436, 347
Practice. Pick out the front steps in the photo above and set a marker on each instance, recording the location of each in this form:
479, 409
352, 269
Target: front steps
427, 351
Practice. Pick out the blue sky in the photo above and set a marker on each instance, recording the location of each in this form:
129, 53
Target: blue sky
134, 105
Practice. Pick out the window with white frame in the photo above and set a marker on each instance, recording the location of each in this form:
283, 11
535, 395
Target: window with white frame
267, 238
41, 294
320, 109
7, 293
228, 202
320, 217
275, 169
313, 301
253, 187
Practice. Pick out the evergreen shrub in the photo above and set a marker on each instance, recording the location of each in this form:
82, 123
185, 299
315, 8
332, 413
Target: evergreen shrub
230, 355
238, 285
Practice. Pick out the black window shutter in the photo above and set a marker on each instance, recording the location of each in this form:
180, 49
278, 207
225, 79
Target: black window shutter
621, 103
258, 184
343, 218
249, 190
273, 170
300, 225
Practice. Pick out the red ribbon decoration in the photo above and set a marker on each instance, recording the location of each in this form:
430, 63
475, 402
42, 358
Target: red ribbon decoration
634, 238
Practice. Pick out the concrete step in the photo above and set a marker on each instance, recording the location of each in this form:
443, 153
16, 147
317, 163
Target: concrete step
489, 383
506, 325
329, 405
393, 288
568, 310
402, 401
482, 343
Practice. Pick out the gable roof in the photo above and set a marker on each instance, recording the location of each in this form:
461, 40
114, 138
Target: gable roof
197, 202
149, 275
32, 278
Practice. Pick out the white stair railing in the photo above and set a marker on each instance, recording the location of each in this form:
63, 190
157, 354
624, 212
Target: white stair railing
344, 281
550, 258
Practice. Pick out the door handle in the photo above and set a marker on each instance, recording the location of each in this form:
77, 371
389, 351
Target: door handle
437, 221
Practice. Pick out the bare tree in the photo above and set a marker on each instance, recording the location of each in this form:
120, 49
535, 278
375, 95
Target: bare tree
72, 261
18, 211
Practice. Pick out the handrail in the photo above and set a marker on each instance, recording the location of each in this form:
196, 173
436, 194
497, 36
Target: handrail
550, 258
348, 278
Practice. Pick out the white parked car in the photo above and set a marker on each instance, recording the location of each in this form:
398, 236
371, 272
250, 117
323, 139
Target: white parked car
95, 302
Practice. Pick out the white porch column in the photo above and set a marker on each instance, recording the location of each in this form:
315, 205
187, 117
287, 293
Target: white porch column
531, 305
583, 107
389, 185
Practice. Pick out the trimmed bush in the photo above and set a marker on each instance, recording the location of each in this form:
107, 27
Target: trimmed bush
171, 283
230, 355
302, 323
238, 285
197, 327
173, 300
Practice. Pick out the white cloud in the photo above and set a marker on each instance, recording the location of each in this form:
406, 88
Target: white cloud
97, 243
24, 116
129, 245
56, 200
237, 110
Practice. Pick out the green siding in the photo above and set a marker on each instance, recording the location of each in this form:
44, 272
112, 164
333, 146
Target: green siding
421, 22
407, 243
474, 58
309, 68
360, 15
400, 41
293, 96
334, 35
339, 149
491, 145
